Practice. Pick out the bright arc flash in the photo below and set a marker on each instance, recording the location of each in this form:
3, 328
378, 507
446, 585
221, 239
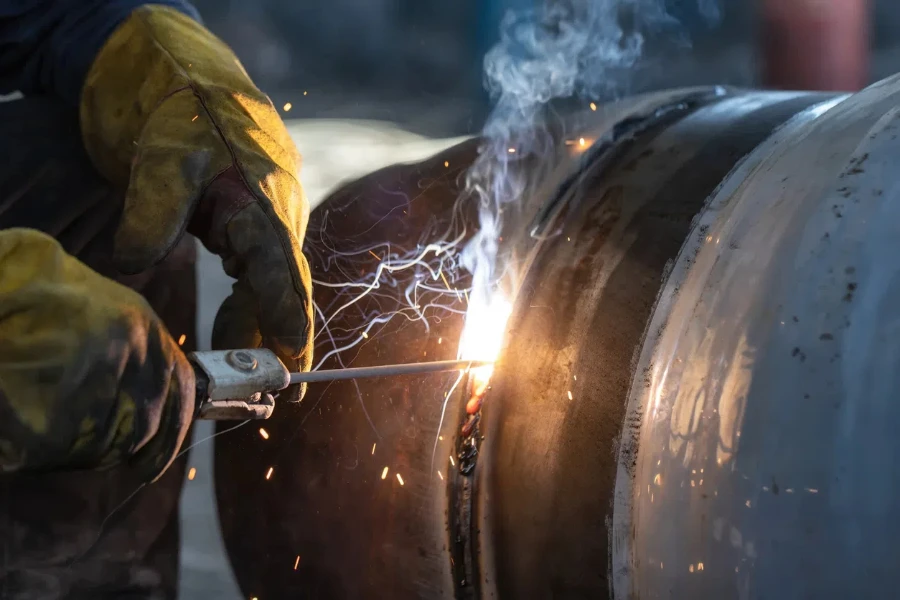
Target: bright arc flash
482, 336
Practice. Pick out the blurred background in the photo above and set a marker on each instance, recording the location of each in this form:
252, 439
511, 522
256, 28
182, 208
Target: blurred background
418, 63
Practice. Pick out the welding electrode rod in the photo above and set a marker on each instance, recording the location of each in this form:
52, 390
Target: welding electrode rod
386, 370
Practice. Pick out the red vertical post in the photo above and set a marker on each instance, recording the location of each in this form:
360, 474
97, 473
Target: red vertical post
815, 44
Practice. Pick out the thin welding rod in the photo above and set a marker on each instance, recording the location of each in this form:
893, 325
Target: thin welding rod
387, 370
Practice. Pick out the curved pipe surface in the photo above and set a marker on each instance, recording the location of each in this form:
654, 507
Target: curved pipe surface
628, 288
764, 459
553, 419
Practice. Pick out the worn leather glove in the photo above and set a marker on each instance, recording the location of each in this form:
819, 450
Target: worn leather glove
168, 110
89, 376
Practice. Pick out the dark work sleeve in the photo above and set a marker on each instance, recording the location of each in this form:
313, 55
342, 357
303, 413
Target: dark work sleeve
47, 46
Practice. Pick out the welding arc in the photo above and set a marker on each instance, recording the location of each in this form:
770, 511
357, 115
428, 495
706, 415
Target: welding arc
387, 370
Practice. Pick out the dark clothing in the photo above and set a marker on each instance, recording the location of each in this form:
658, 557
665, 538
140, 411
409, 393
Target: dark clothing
55, 539
51, 542
48, 45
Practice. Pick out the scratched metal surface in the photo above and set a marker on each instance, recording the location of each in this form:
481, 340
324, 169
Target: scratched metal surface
766, 456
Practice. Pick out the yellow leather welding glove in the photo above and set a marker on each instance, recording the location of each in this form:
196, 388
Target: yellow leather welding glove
168, 110
89, 376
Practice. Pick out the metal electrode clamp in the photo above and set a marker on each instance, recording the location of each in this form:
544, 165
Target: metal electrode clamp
237, 384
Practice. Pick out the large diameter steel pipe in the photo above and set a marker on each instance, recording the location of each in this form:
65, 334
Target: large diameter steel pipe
696, 395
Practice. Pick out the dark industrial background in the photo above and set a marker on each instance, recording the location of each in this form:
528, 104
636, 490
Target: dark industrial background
418, 62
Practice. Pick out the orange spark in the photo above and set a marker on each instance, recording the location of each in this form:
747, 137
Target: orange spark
451, 460
269, 472
195, 118
375, 255
297, 562
287, 106
373, 447
441, 476
400, 479
181, 339
570, 394
446, 163
384, 473
593, 106
512, 150
192, 473
581, 141
263, 433
445, 281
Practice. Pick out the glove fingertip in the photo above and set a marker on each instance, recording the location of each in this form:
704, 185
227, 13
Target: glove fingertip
294, 393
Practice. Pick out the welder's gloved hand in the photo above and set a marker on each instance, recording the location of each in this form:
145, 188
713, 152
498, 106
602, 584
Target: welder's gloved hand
89, 377
168, 109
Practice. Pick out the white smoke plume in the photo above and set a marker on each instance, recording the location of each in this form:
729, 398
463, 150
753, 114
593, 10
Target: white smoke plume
566, 48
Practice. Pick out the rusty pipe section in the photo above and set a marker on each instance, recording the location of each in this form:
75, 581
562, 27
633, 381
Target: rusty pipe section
680, 306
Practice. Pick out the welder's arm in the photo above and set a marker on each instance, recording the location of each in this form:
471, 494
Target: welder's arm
89, 377
47, 46
168, 111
